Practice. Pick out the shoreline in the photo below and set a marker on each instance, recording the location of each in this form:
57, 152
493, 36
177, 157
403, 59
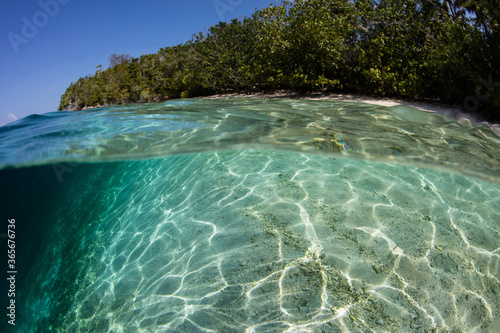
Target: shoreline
430, 106
446, 109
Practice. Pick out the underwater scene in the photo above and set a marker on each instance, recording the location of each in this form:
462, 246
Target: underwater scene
250, 215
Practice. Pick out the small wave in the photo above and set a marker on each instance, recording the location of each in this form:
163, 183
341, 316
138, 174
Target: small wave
391, 134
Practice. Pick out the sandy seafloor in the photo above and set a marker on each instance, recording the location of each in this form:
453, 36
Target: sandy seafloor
452, 112
269, 241
274, 241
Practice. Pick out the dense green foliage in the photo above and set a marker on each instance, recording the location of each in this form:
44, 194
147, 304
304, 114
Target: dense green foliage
447, 50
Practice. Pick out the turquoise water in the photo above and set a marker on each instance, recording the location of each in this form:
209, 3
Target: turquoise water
252, 215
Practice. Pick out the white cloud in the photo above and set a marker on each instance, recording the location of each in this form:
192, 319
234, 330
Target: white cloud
12, 117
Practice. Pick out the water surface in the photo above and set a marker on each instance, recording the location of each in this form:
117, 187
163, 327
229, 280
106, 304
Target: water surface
256, 215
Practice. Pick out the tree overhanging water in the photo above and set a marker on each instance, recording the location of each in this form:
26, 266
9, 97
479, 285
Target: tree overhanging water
442, 50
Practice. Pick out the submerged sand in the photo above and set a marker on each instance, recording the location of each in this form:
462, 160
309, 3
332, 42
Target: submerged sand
287, 242
450, 111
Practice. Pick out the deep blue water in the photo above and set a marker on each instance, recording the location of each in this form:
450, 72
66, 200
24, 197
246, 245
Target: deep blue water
251, 215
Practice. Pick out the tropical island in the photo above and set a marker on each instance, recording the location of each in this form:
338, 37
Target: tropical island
439, 50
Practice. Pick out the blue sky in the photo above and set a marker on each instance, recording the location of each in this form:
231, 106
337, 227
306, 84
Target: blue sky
47, 44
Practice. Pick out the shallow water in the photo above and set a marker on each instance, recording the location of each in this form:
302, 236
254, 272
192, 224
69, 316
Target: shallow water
269, 216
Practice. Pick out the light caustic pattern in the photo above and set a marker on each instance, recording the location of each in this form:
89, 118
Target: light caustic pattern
274, 241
